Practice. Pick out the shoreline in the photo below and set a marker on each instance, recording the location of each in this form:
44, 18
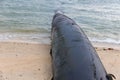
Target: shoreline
94, 43
106, 45
30, 60
44, 38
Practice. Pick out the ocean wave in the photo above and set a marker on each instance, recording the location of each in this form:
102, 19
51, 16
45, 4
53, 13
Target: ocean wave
43, 38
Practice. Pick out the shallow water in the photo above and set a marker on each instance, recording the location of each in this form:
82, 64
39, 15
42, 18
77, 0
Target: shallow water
29, 19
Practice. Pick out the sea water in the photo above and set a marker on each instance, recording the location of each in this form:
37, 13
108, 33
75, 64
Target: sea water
31, 19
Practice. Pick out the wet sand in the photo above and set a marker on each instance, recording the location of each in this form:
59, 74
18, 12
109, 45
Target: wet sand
32, 61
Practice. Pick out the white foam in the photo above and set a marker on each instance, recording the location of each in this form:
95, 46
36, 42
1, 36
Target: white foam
108, 40
58, 11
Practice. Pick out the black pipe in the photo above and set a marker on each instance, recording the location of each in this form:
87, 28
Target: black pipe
74, 58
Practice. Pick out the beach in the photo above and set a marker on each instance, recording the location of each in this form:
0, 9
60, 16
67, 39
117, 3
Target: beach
110, 57
21, 60
25, 32
24, 61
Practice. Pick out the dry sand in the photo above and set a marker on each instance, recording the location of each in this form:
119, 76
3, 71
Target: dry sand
24, 61
32, 61
110, 57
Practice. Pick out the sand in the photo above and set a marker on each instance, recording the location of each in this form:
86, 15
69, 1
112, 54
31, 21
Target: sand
24, 61
110, 57
32, 61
